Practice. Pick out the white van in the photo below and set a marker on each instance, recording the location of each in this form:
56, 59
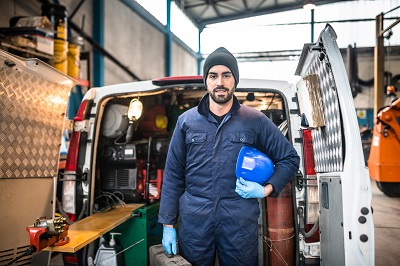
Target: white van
121, 135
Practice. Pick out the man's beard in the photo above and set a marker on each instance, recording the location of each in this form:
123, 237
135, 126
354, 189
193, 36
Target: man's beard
221, 99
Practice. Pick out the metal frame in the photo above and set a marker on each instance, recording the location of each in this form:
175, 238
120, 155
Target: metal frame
379, 60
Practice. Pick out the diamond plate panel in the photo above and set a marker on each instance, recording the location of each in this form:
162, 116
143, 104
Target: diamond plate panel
32, 111
327, 140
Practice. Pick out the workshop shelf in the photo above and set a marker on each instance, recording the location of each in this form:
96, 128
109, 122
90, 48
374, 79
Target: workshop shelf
90, 228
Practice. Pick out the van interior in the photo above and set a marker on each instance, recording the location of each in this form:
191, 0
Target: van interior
122, 165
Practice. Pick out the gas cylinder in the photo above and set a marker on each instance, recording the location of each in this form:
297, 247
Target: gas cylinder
281, 228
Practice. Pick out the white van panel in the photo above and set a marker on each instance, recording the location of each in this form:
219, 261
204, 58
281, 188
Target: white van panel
357, 195
33, 100
331, 221
339, 159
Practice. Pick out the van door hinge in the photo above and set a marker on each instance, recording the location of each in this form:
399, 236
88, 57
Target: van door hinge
82, 175
294, 111
299, 180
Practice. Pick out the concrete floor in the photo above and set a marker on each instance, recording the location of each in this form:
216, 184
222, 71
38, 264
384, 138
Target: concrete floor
387, 229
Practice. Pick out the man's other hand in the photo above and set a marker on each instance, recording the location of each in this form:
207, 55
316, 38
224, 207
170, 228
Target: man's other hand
169, 239
249, 189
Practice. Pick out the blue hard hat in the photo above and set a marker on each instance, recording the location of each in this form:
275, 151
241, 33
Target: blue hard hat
253, 165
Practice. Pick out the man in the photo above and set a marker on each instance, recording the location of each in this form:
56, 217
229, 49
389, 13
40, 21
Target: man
218, 213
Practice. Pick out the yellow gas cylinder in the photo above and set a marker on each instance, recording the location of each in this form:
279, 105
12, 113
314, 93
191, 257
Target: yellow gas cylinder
60, 55
74, 54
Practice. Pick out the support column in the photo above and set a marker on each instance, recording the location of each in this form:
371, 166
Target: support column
98, 35
168, 42
379, 65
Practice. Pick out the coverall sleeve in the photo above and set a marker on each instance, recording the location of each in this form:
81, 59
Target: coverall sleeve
283, 155
174, 177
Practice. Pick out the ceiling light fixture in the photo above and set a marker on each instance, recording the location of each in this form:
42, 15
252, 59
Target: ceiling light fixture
309, 5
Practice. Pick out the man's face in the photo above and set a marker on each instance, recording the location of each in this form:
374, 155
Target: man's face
220, 84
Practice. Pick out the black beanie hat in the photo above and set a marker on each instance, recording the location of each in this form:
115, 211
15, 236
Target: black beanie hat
221, 56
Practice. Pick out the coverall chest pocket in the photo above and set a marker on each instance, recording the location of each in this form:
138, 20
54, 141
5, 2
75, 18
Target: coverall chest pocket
196, 146
236, 141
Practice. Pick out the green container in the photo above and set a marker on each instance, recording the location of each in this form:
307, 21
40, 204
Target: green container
139, 233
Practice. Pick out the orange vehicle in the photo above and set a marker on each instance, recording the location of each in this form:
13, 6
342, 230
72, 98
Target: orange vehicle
384, 158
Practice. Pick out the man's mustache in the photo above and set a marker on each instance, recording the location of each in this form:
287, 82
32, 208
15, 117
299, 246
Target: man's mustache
220, 88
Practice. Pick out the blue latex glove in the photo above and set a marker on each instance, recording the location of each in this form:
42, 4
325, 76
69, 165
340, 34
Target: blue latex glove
169, 240
249, 189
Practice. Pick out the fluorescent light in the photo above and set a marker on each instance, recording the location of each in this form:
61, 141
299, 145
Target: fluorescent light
310, 6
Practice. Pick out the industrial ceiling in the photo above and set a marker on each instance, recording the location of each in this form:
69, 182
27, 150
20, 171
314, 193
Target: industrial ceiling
204, 12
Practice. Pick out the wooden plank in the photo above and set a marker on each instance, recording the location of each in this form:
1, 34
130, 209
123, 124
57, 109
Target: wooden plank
90, 228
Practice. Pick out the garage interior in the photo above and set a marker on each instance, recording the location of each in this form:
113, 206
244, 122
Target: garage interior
109, 42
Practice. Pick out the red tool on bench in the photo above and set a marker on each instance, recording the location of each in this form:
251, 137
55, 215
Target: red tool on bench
47, 232
44, 233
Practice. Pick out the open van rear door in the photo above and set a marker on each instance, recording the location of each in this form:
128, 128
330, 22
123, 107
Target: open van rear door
344, 192
33, 100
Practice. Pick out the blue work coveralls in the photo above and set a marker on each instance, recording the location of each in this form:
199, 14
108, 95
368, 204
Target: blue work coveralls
199, 182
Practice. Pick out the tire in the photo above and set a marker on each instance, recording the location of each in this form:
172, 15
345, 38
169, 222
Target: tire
391, 189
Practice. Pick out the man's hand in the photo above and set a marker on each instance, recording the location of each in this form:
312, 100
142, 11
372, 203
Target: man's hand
169, 239
249, 189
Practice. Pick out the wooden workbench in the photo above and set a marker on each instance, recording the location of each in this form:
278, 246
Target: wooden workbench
90, 228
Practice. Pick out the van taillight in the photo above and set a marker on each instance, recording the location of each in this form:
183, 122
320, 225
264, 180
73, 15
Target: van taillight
82, 111
70, 172
308, 152
70, 259
312, 210
72, 156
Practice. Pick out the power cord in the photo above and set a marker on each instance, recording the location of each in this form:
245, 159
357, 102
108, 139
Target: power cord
107, 201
